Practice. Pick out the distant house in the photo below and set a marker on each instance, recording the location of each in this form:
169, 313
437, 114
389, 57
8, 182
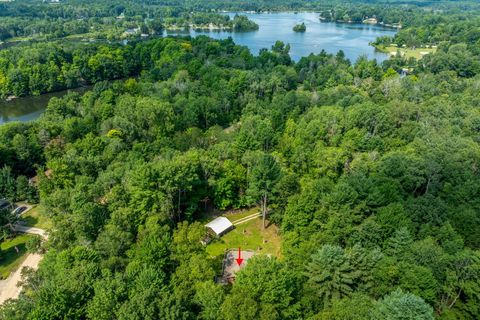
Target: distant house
131, 32
219, 226
370, 20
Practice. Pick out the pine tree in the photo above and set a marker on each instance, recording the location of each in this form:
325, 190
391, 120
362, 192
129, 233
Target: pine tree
330, 274
400, 305
399, 243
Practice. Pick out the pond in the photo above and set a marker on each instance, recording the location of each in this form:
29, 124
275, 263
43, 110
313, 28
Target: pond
353, 39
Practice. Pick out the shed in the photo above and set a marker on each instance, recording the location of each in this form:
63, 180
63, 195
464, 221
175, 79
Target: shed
219, 226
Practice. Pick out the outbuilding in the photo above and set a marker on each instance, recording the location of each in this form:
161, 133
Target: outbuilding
219, 226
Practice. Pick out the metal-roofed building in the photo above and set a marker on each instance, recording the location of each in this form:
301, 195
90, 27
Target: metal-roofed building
219, 226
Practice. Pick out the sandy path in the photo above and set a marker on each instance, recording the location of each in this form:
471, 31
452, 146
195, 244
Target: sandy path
8, 287
247, 218
31, 230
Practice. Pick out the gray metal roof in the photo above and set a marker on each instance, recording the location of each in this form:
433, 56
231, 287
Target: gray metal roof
219, 225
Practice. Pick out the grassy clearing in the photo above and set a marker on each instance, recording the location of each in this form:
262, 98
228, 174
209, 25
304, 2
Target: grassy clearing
249, 236
10, 260
237, 215
37, 218
416, 53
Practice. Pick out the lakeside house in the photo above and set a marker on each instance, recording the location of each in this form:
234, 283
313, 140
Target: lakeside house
372, 20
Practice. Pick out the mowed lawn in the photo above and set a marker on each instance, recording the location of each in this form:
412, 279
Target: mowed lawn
10, 260
36, 217
249, 236
416, 53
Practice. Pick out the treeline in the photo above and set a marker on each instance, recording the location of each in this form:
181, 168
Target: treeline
200, 19
104, 20
372, 179
105, 8
49, 67
112, 28
439, 30
109, 28
405, 16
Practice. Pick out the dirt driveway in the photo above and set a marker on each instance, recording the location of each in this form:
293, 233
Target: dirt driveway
8, 287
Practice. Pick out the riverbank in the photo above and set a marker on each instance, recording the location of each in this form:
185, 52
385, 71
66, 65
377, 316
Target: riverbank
31, 107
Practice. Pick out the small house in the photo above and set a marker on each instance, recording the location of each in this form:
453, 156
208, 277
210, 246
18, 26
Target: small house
131, 32
372, 20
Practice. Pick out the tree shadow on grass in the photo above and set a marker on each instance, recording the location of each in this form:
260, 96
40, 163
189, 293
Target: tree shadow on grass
8, 258
30, 221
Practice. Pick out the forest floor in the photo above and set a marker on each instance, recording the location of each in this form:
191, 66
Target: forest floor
248, 234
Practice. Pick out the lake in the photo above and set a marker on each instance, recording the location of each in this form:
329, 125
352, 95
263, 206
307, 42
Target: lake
353, 39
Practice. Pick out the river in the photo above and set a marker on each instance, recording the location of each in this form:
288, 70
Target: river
353, 39
30, 108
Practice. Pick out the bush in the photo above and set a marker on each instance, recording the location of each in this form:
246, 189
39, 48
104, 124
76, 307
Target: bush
34, 244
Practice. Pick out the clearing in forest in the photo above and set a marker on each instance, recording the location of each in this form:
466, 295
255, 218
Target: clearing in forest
416, 53
247, 234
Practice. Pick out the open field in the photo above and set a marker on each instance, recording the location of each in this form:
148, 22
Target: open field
9, 258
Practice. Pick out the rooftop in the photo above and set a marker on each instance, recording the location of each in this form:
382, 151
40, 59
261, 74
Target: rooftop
219, 225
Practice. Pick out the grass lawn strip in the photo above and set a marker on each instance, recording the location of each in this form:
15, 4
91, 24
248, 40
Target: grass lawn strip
36, 217
9, 258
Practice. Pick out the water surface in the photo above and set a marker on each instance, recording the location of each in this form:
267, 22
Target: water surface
353, 39
29, 108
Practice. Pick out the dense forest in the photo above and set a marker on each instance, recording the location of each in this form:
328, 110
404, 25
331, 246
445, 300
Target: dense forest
372, 177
